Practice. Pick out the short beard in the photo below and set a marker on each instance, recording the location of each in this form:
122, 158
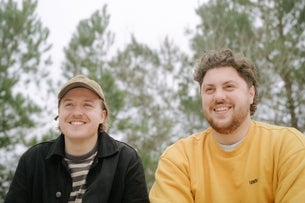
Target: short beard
228, 129
234, 124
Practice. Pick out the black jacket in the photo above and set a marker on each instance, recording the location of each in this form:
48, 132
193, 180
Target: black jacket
42, 175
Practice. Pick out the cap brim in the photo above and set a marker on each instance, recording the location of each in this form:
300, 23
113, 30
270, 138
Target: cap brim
75, 85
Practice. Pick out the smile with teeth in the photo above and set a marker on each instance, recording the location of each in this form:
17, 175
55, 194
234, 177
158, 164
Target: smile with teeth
77, 123
220, 109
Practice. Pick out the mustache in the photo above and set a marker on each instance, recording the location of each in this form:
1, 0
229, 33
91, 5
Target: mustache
221, 102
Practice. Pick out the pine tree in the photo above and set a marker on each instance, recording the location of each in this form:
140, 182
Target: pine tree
89, 53
22, 72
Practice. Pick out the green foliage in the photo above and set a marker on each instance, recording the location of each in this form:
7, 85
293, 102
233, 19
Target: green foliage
22, 45
282, 34
88, 49
5, 178
222, 24
88, 54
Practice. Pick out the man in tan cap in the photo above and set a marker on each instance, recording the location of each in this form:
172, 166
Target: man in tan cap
84, 164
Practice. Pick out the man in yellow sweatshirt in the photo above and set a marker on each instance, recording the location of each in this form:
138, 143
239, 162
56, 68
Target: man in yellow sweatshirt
237, 159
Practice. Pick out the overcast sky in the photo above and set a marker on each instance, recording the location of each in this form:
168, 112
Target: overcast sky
149, 20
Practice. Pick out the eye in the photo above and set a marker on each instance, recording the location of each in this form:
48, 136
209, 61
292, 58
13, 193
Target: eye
88, 104
208, 90
68, 104
229, 87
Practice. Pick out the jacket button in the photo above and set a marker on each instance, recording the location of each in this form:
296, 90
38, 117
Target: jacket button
58, 194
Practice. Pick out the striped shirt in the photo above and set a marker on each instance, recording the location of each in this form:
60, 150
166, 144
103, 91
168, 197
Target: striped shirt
79, 167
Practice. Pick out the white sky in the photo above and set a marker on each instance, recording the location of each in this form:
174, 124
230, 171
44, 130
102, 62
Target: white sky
149, 20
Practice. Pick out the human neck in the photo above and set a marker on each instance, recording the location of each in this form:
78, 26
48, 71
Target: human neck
233, 137
79, 147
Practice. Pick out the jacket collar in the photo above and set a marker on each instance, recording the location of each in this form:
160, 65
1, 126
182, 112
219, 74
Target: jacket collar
107, 146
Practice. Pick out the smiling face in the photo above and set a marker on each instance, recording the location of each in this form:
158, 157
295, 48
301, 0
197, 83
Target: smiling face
226, 99
80, 113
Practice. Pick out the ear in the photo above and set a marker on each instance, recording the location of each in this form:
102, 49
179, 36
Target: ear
104, 114
252, 93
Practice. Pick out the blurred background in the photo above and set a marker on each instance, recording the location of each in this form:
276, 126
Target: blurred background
143, 53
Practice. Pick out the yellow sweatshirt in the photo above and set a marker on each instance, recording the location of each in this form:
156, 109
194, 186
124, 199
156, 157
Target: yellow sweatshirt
267, 166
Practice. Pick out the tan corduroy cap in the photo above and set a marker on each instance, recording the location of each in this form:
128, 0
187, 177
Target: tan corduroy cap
81, 81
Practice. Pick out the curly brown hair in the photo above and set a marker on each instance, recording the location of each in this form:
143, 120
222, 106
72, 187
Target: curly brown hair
225, 57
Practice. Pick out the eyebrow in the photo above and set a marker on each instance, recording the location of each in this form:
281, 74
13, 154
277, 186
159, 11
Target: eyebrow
212, 84
65, 99
86, 100
231, 81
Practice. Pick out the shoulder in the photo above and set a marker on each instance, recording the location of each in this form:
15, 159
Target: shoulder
188, 145
124, 146
40, 149
120, 152
280, 137
279, 131
110, 146
36, 155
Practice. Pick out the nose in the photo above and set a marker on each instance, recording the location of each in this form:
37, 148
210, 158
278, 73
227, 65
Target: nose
77, 111
219, 94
